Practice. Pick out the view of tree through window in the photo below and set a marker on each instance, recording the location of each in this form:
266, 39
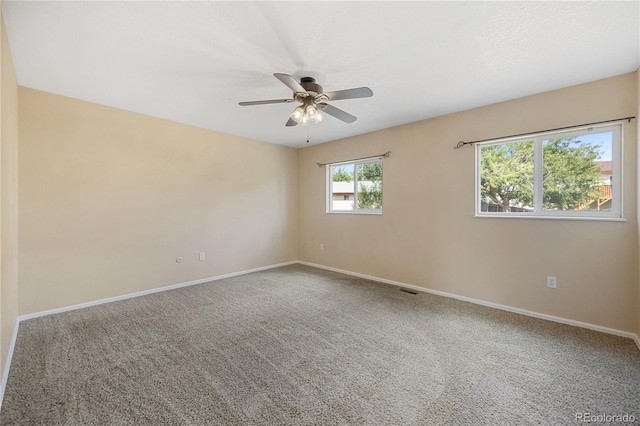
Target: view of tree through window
571, 173
356, 187
563, 172
507, 176
370, 188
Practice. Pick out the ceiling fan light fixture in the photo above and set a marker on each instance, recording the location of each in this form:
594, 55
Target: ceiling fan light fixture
305, 120
306, 114
297, 114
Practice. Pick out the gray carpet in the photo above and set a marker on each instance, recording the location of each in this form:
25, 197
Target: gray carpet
299, 345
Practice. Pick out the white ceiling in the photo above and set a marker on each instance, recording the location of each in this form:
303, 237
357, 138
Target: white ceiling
193, 62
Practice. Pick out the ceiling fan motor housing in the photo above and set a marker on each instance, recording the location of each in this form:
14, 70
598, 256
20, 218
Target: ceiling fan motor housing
310, 85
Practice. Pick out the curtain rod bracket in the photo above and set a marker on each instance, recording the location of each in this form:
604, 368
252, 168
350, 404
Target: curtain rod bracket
461, 144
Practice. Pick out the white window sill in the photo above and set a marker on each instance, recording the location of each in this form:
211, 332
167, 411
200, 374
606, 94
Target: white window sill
553, 217
376, 212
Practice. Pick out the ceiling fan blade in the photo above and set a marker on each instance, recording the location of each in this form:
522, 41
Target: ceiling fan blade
359, 92
273, 101
291, 123
290, 82
337, 113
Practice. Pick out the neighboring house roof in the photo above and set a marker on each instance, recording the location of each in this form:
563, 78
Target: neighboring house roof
606, 167
343, 187
347, 187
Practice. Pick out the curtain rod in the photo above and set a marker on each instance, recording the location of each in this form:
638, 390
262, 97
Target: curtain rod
462, 143
386, 154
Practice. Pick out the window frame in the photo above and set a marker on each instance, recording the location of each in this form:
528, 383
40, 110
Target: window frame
329, 187
617, 144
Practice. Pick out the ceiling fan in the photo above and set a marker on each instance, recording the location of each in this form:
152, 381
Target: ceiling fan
313, 100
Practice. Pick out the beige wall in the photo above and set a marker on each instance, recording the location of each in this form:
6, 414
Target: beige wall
8, 197
427, 235
109, 199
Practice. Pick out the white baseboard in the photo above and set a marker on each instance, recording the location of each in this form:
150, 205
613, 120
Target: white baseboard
7, 364
485, 303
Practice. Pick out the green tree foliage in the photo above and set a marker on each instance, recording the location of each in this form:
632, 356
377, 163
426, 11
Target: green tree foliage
370, 191
341, 175
370, 172
570, 174
370, 195
507, 174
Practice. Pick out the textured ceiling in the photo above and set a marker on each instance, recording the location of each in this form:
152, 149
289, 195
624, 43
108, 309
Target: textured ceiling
193, 62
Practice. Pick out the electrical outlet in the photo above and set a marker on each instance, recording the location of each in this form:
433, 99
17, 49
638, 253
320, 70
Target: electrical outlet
551, 282
201, 255
321, 246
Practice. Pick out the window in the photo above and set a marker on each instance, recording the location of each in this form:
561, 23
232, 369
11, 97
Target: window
574, 173
355, 187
